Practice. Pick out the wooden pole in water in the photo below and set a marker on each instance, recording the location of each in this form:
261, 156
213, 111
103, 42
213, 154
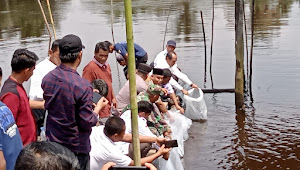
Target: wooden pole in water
251, 50
51, 19
204, 40
239, 53
46, 22
212, 40
132, 83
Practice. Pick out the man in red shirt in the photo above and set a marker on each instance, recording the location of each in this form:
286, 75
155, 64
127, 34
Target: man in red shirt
15, 97
99, 68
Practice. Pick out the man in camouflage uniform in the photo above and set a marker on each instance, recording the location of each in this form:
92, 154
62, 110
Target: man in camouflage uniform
156, 123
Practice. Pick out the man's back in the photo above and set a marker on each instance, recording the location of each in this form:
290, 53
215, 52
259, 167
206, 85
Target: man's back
68, 99
15, 98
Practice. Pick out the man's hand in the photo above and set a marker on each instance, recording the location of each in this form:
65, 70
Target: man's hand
180, 109
162, 150
114, 102
165, 91
150, 166
167, 134
194, 86
160, 140
185, 92
100, 104
108, 165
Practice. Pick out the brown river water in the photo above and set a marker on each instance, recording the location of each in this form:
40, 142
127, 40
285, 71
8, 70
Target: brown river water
266, 137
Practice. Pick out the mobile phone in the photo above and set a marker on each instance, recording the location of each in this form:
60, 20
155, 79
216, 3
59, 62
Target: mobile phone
96, 97
170, 143
128, 168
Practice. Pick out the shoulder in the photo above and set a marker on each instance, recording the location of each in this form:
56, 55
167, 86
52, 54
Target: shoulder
9, 86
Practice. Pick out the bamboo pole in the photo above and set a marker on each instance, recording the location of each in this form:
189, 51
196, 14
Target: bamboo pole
239, 53
132, 83
46, 22
51, 19
204, 40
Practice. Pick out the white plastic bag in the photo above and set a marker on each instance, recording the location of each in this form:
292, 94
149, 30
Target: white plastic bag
195, 105
179, 125
173, 163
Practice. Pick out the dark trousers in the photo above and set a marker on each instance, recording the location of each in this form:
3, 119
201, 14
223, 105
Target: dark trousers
144, 147
143, 59
84, 160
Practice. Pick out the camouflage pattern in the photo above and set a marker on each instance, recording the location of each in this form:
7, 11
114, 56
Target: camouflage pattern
157, 124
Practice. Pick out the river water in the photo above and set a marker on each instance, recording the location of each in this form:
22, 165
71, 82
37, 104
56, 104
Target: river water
266, 137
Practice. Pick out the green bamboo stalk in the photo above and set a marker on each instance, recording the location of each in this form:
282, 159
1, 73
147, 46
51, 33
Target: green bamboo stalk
132, 83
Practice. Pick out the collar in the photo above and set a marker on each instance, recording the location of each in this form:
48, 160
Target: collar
99, 64
66, 68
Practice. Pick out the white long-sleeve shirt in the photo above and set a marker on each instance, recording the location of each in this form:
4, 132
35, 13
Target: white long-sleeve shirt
160, 62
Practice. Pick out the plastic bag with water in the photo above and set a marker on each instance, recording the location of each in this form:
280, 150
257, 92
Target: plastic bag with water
195, 105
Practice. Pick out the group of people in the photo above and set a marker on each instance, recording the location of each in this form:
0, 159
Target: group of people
60, 103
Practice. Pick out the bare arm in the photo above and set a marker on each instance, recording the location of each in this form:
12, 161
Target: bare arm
173, 97
2, 161
162, 150
37, 104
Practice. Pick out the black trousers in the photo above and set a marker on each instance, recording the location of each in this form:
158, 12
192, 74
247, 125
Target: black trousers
143, 59
84, 160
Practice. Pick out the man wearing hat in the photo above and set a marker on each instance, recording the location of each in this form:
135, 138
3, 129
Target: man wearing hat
167, 59
123, 97
68, 99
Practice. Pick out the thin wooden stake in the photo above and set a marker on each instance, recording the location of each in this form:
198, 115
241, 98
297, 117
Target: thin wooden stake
167, 26
46, 22
204, 40
51, 19
113, 37
212, 40
246, 38
251, 51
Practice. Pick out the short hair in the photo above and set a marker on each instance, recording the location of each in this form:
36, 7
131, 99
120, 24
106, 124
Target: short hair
114, 125
145, 106
108, 43
22, 59
167, 73
46, 155
101, 45
69, 57
169, 55
100, 85
55, 45
0, 72
119, 57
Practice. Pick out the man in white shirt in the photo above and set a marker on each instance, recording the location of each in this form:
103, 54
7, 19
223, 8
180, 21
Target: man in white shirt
104, 148
36, 100
163, 60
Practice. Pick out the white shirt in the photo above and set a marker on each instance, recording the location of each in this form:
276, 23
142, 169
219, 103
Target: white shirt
168, 87
41, 69
142, 126
104, 150
160, 62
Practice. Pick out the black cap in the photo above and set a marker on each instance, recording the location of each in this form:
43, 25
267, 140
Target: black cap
70, 44
144, 68
172, 43
158, 71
